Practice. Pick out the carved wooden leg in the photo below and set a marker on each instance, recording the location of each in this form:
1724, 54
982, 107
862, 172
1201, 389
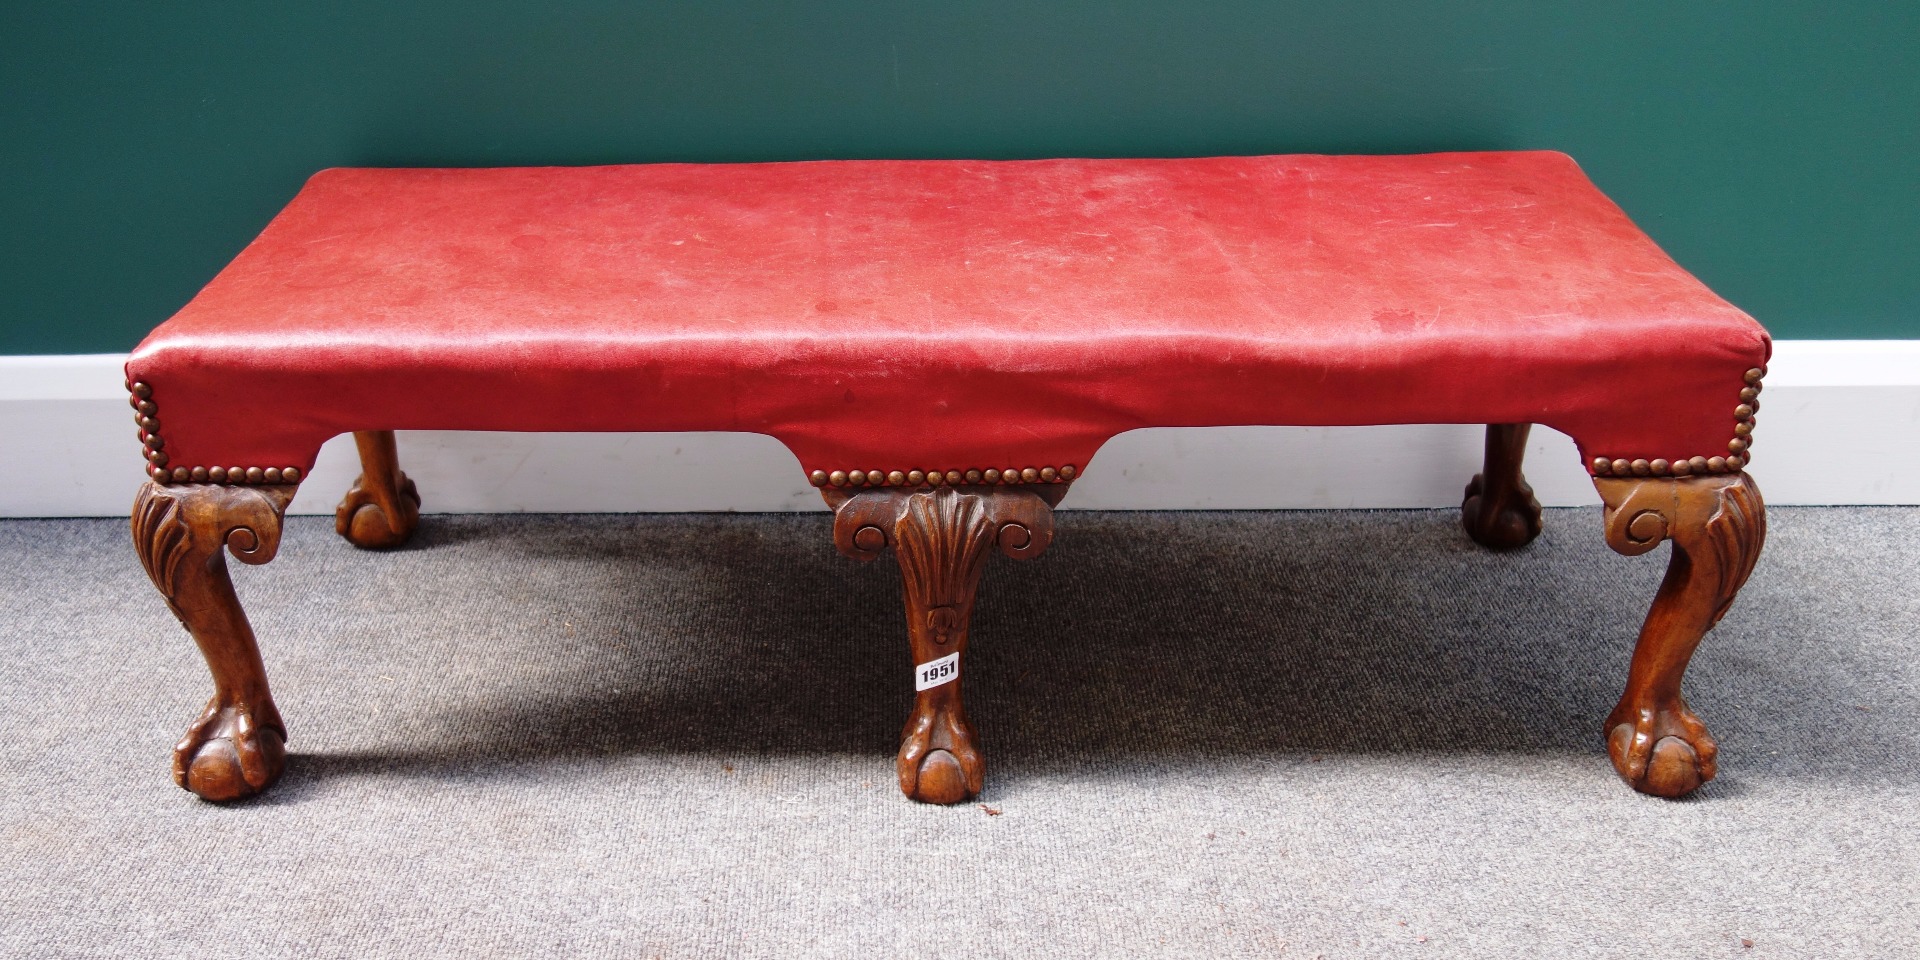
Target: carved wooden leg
941, 538
1717, 525
238, 746
383, 506
1500, 512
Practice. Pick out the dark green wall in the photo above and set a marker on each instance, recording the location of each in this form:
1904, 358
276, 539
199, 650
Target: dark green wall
1771, 147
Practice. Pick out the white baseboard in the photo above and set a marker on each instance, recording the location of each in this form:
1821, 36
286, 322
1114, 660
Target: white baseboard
1841, 426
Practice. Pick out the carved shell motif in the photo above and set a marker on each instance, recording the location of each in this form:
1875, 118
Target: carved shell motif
942, 540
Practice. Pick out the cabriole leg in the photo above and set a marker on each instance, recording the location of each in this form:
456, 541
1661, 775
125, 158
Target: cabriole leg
1500, 512
383, 506
1717, 525
238, 746
941, 538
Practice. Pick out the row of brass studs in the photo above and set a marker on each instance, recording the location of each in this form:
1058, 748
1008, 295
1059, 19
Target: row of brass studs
1739, 449
141, 399
934, 478
145, 414
229, 475
1667, 468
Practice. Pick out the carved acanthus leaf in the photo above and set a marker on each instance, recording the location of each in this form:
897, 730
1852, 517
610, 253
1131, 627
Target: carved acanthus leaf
1717, 519
161, 539
189, 523
1735, 533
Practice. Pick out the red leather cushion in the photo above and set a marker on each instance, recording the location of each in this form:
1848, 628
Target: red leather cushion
951, 314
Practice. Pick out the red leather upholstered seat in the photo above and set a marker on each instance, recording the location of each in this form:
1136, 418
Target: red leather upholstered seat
939, 315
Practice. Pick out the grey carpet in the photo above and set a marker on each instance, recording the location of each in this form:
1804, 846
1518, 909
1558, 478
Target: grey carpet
1311, 734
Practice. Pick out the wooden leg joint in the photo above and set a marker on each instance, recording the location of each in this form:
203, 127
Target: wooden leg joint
183, 534
382, 508
1717, 525
941, 538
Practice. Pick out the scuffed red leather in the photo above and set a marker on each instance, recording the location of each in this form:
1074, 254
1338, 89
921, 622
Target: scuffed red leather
951, 314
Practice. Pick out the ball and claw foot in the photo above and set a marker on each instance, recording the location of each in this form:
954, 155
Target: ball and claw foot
1501, 523
1662, 750
938, 761
229, 753
363, 520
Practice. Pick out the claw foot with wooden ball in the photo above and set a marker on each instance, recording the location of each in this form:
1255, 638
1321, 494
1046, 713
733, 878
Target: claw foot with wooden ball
235, 750
183, 532
382, 508
1717, 525
1500, 511
941, 537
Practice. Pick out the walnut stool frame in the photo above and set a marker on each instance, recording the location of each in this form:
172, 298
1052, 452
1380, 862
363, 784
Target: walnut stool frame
942, 528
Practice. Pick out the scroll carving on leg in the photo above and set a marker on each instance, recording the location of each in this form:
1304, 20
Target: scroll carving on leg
1717, 525
382, 508
1500, 511
941, 538
238, 745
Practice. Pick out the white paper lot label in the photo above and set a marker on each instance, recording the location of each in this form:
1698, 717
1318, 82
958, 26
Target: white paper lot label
936, 672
